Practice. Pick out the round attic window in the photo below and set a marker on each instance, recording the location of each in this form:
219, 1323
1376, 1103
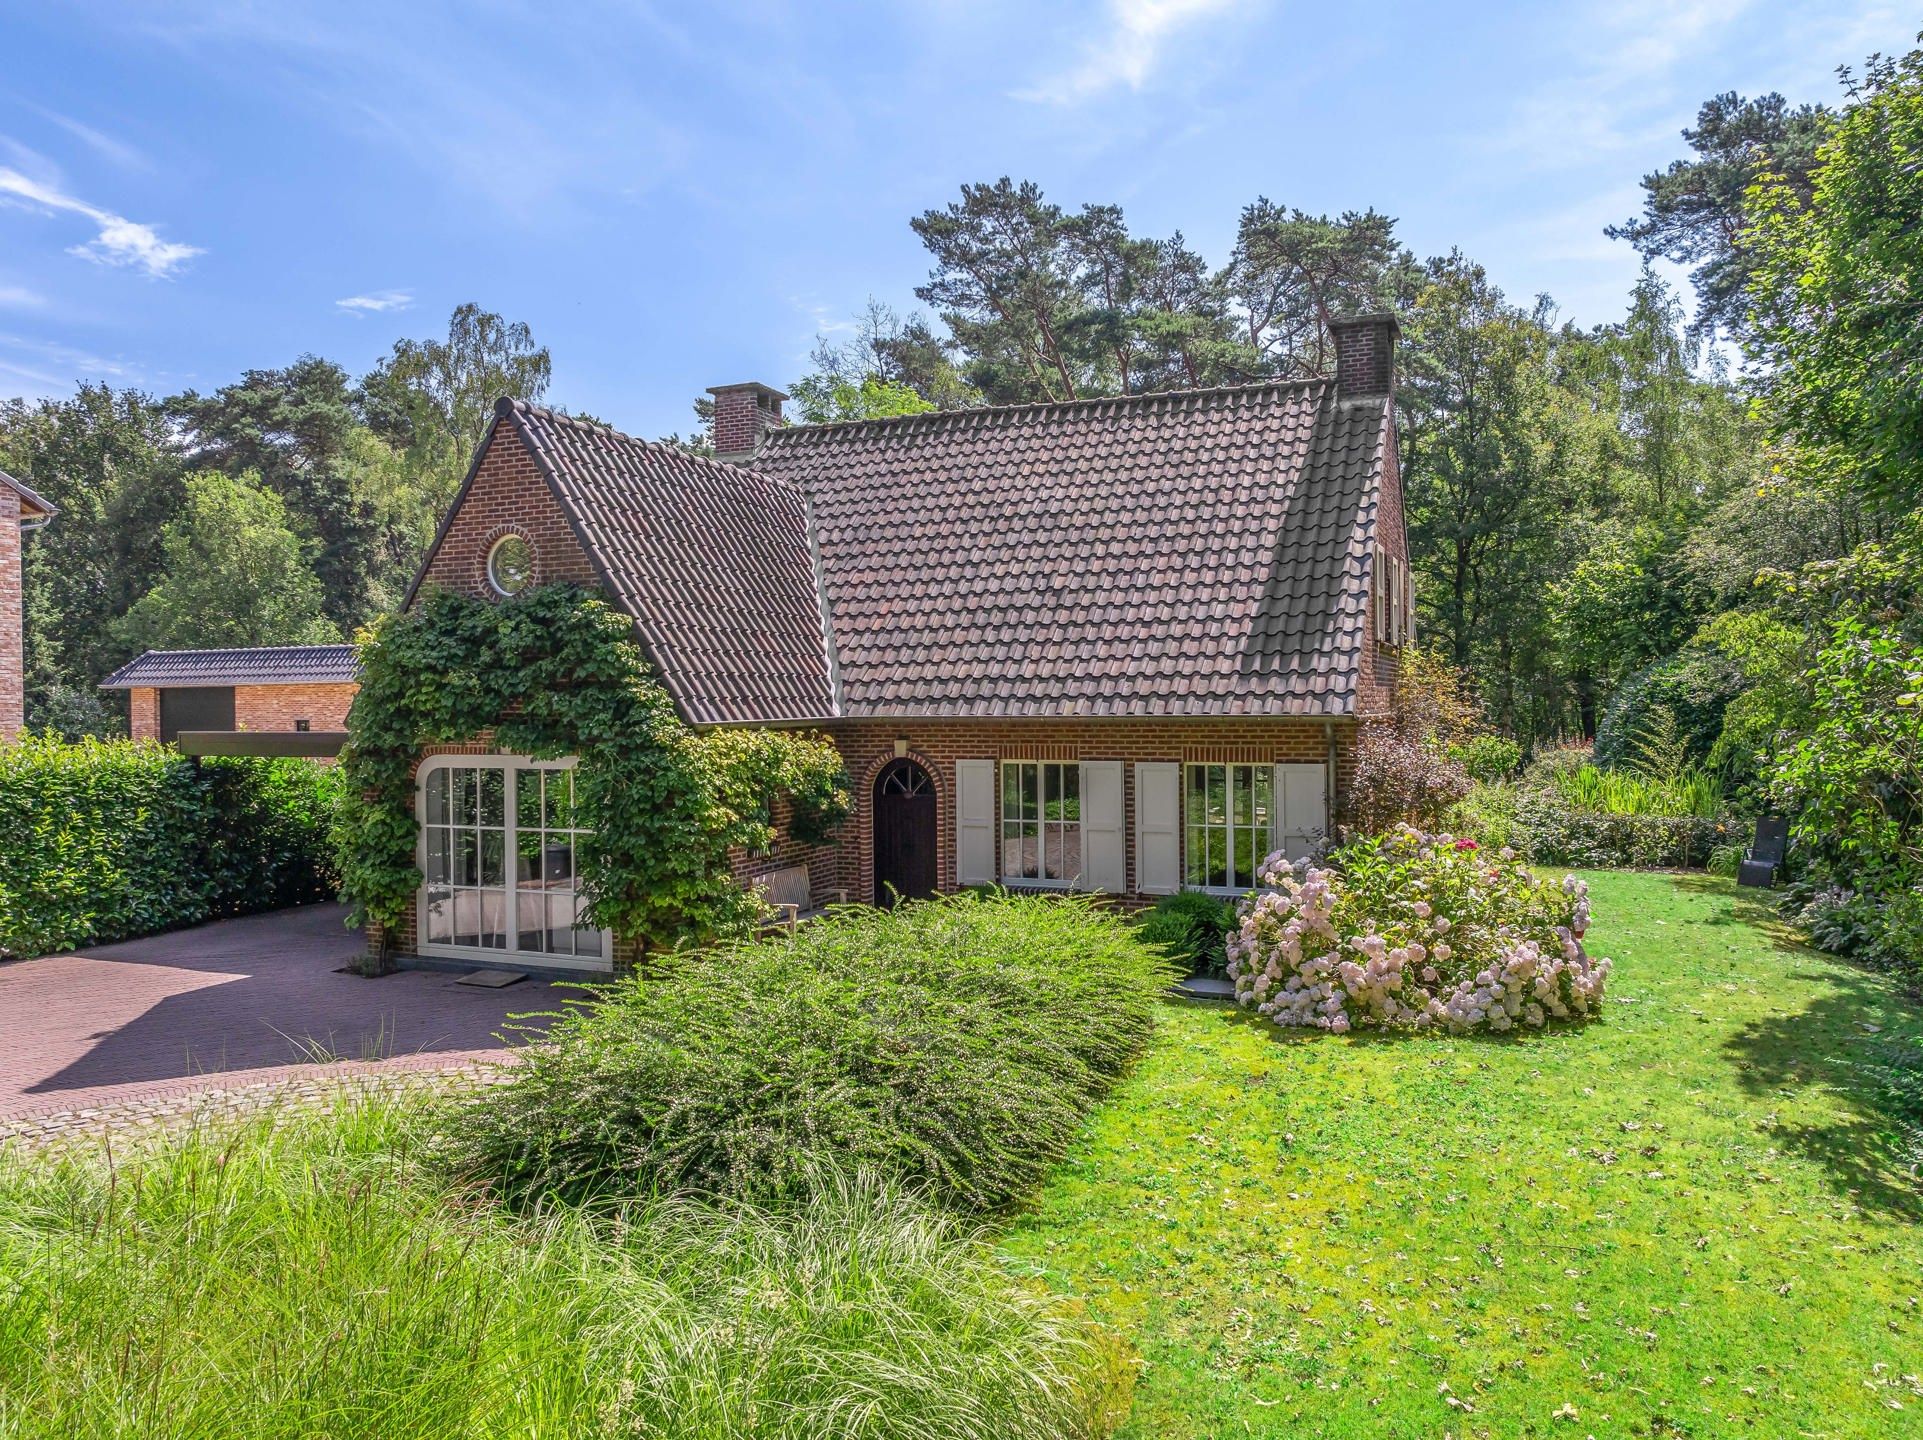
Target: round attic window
510, 565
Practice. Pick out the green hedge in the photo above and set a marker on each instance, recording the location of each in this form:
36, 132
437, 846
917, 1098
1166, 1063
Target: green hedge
1539, 823
1547, 832
104, 840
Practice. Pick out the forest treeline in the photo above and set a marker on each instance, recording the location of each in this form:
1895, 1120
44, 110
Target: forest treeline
1590, 507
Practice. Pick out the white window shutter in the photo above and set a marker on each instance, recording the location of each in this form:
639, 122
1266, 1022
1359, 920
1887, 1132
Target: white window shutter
974, 822
1302, 816
1158, 827
1104, 841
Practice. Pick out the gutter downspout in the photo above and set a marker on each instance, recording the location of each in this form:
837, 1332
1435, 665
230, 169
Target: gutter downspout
1328, 781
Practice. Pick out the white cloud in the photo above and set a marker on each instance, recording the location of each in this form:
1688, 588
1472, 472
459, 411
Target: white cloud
120, 241
376, 301
19, 297
1138, 33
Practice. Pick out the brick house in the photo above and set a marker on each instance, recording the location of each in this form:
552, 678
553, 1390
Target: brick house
1123, 645
21, 510
298, 689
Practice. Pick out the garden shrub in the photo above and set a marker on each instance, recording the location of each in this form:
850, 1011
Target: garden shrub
1883, 930
1488, 759
1399, 777
1689, 688
1191, 928
953, 1043
104, 840
1415, 931
1548, 830
1487, 814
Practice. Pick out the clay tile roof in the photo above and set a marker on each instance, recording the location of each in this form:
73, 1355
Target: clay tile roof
266, 665
712, 561
1194, 553
33, 506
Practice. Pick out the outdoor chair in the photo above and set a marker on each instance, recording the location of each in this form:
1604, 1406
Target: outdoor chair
1766, 853
789, 893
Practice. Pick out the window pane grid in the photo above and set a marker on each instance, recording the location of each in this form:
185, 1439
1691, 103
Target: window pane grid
482, 822
1228, 813
1042, 821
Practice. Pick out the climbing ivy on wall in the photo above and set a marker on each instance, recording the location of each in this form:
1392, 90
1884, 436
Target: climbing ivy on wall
552, 672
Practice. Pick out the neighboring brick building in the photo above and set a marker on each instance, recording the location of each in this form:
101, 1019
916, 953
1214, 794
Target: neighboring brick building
1120, 644
280, 688
21, 510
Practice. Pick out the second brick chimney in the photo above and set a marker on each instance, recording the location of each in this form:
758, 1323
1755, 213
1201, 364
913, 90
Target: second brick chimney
743, 416
1365, 354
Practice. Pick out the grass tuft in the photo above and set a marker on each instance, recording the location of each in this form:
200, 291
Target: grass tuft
301, 1276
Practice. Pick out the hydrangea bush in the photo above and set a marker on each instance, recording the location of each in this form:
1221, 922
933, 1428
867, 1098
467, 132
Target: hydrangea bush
1419, 931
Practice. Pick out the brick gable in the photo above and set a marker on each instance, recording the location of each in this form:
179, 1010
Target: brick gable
506, 494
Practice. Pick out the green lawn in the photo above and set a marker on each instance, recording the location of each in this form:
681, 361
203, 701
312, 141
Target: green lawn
1690, 1218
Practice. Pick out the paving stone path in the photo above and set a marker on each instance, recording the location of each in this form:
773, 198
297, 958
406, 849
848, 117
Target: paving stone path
233, 1017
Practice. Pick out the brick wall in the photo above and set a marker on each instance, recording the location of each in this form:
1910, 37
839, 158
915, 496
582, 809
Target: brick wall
277, 707
508, 497
867, 746
743, 415
143, 713
257, 707
12, 683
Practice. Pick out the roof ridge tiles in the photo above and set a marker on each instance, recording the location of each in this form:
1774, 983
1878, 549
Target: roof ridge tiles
977, 415
518, 410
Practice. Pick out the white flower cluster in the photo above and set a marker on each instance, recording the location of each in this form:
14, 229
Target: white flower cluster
1309, 952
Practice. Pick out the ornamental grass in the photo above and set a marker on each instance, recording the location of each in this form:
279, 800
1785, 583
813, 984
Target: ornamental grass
303, 1276
955, 1044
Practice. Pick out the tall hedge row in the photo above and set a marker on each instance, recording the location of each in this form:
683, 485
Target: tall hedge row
105, 840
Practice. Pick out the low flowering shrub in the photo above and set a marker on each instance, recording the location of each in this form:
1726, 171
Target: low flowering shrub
1415, 931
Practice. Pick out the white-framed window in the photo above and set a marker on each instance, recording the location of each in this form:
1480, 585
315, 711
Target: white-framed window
500, 857
1228, 823
1041, 822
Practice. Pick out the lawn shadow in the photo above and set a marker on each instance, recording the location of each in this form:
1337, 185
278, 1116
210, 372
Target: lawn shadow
1752, 907
1842, 1040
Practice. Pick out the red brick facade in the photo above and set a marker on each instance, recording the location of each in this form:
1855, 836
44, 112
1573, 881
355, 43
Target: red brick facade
12, 644
867, 746
1380, 658
256, 707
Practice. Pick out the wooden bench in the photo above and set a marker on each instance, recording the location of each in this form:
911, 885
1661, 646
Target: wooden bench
789, 894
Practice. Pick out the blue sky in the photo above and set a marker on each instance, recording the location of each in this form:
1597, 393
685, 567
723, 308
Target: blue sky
674, 196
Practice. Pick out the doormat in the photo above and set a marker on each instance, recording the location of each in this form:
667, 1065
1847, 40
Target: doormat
492, 979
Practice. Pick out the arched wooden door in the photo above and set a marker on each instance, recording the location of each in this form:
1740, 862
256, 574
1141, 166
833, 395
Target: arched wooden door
904, 833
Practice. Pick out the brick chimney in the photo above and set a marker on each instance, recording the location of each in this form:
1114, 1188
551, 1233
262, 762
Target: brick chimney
743, 416
1365, 355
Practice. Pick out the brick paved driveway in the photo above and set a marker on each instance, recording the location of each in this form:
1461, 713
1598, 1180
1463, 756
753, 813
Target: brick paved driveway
245, 1000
